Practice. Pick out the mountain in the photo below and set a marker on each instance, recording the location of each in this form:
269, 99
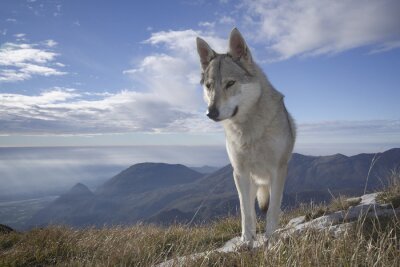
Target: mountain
205, 169
212, 196
165, 193
316, 178
70, 203
144, 177
126, 198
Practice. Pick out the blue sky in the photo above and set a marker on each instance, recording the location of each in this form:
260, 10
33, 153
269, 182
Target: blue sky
76, 73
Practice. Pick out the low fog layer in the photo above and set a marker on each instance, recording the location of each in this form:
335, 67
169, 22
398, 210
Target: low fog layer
30, 172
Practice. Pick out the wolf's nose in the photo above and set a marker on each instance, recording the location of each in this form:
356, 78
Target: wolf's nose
213, 113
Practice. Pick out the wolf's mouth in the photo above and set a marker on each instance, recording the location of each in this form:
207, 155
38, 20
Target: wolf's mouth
235, 111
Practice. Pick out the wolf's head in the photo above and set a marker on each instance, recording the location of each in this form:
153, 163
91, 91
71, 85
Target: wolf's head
229, 80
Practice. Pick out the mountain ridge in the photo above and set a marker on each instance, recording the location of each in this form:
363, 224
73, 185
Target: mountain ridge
174, 192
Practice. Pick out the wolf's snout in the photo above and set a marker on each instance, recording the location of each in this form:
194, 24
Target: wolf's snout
213, 113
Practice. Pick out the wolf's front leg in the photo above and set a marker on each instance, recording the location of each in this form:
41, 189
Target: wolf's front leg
247, 195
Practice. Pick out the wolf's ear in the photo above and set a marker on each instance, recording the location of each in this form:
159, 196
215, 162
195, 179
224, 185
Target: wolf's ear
238, 47
205, 52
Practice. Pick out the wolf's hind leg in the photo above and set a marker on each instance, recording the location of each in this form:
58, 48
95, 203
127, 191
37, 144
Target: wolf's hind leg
276, 192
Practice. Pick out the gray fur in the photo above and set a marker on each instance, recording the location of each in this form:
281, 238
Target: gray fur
260, 136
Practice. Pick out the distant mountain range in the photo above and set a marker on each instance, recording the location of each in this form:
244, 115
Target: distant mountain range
165, 193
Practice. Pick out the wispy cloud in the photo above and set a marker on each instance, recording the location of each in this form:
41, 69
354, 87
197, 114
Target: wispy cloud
58, 11
313, 27
50, 43
372, 131
22, 61
206, 24
61, 111
226, 20
65, 111
386, 47
20, 37
347, 137
11, 20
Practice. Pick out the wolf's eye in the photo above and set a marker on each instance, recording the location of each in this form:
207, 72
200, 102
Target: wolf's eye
229, 84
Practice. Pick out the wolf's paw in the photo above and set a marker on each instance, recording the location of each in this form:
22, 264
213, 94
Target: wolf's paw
237, 244
243, 245
246, 242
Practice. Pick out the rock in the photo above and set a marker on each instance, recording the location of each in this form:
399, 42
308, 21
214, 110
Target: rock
296, 221
337, 223
369, 199
353, 201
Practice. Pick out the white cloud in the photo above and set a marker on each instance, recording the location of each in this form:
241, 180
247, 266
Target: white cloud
172, 76
19, 35
226, 20
206, 24
45, 98
185, 41
11, 54
59, 64
65, 111
20, 62
10, 75
50, 43
170, 98
177, 85
313, 27
33, 69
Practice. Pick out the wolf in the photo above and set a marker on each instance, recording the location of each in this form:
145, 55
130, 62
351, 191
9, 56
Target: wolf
260, 133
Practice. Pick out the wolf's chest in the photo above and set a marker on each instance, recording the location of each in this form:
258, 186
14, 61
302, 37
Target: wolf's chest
255, 154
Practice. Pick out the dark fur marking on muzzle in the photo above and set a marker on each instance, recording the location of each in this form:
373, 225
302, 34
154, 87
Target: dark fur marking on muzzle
235, 111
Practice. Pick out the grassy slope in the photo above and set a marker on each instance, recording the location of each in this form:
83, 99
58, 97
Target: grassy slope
371, 242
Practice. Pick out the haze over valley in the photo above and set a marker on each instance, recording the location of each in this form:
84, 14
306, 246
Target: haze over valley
77, 188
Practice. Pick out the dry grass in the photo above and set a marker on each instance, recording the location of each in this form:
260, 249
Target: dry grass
140, 245
309, 210
391, 194
371, 242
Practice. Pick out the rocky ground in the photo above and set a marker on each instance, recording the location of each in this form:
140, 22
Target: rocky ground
335, 222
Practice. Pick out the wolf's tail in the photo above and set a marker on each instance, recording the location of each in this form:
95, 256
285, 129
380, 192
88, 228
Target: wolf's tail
263, 198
